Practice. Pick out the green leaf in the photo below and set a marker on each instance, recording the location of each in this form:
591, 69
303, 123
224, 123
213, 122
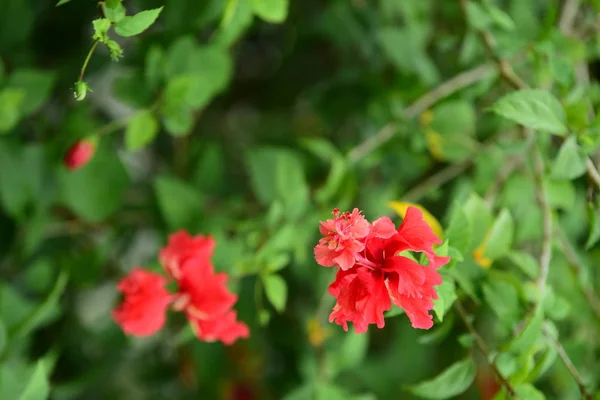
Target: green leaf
276, 291
115, 14
503, 299
38, 387
527, 391
3, 337
154, 65
594, 218
534, 108
459, 231
528, 336
10, 103
61, 2
561, 193
500, 238
569, 163
101, 27
141, 130
450, 383
40, 313
136, 24
36, 86
351, 353
499, 17
446, 297
95, 202
477, 16
526, 262
274, 11
278, 174
480, 218
179, 203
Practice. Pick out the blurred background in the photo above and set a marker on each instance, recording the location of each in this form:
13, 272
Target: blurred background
255, 124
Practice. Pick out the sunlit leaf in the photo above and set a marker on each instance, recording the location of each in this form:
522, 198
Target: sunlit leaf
450, 383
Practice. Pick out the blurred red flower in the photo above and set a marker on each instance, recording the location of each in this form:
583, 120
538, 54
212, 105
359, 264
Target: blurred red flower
145, 303
202, 294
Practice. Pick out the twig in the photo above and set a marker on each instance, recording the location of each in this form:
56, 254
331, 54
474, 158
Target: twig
436, 180
542, 198
592, 172
458, 82
576, 268
87, 60
484, 349
567, 16
516, 82
568, 363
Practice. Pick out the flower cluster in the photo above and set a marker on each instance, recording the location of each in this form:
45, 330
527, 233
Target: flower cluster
372, 272
202, 294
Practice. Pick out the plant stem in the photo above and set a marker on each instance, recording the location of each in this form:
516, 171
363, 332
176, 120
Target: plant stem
484, 349
87, 60
569, 364
424, 102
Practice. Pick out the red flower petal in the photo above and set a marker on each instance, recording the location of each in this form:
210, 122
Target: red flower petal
225, 328
180, 247
142, 312
416, 235
207, 293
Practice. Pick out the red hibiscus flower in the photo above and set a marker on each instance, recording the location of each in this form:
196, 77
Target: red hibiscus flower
180, 247
380, 276
79, 154
342, 239
202, 294
142, 312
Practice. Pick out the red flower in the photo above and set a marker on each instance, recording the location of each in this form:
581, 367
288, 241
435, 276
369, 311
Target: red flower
225, 328
142, 312
202, 294
180, 247
79, 154
380, 276
342, 239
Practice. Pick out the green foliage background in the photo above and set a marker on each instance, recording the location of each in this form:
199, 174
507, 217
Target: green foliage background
251, 120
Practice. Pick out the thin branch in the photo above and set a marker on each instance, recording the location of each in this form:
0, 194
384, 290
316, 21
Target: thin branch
576, 268
87, 60
436, 180
568, 363
453, 85
484, 349
592, 172
567, 16
542, 198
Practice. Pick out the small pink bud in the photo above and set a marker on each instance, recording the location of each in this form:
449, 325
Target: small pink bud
79, 154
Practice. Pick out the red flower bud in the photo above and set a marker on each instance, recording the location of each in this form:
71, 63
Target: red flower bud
79, 154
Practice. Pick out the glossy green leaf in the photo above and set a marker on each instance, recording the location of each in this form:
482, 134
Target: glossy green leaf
141, 130
499, 239
38, 387
529, 392
274, 11
529, 335
569, 163
534, 108
136, 24
526, 262
276, 291
446, 297
503, 299
455, 380
594, 233
114, 14
459, 231
10, 104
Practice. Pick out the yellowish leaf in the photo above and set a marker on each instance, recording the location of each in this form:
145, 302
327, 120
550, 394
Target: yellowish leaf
480, 259
402, 206
317, 333
435, 144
